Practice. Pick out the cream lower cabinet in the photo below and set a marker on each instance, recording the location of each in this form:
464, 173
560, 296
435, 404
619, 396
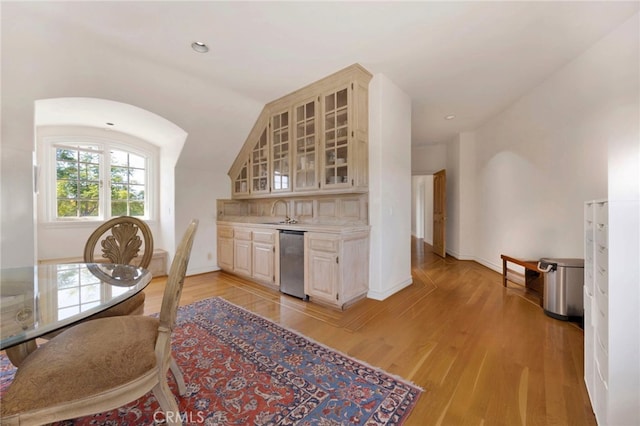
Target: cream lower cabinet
336, 267
264, 256
225, 247
242, 251
250, 252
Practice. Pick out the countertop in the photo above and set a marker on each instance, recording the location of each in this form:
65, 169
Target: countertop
274, 223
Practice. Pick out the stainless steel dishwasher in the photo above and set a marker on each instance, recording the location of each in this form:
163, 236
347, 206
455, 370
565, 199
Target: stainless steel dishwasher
292, 263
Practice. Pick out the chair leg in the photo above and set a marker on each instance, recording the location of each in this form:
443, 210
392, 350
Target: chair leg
167, 403
177, 374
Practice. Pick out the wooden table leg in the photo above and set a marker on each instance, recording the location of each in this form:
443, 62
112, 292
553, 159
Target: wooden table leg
18, 353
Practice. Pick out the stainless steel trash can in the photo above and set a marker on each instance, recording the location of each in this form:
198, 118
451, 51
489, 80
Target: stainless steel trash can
563, 287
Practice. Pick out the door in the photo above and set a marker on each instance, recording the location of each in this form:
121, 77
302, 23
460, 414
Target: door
321, 267
263, 262
439, 212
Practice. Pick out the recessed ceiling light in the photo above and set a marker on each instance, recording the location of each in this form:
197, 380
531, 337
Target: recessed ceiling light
109, 124
199, 47
449, 117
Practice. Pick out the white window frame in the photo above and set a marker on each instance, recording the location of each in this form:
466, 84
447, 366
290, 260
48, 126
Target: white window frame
48, 175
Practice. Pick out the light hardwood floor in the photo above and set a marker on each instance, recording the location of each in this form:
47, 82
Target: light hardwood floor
483, 354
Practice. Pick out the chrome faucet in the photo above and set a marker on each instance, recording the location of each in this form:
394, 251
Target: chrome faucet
286, 206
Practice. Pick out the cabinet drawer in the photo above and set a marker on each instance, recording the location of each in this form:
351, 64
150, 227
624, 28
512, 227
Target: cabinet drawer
601, 255
602, 358
242, 234
589, 279
264, 237
601, 280
589, 313
602, 326
602, 234
601, 402
602, 300
225, 232
323, 244
601, 212
589, 345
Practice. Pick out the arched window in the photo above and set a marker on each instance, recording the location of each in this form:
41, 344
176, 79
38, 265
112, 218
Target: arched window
97, 178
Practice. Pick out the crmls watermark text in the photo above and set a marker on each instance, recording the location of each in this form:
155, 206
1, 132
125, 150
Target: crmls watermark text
161, 417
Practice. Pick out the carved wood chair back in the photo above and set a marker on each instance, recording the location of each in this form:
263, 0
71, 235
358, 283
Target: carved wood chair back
121, 240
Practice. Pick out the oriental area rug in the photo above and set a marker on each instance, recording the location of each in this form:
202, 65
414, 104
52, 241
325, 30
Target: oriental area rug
242, 369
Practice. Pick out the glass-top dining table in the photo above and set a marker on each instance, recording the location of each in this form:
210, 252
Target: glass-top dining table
38, 300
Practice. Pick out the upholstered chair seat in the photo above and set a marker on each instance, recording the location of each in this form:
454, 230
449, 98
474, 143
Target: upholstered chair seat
84, 362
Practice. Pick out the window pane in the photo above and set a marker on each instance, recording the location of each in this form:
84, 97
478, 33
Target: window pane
118, 208
119, 174
89, 157
89, 191
137, 208
67, 208
136, 192
137, 176
66, 189
137, 161
89, 172
89, 208
67, 170
79, 190
119, 158
119, 192
77, 182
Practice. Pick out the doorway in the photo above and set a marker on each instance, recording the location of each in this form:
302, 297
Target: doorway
422, 207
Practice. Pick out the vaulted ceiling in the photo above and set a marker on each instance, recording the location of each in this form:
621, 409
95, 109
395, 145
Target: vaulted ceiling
468, 59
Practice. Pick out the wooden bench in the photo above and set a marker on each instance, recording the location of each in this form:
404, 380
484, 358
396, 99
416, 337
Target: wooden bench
531, 279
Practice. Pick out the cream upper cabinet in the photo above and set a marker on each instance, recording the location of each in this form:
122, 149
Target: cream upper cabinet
259, 161
241, 182
306, 145
280, 152
314, 139
335, 112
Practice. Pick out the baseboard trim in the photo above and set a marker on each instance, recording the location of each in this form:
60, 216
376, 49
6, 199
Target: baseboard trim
490, 265
376, 295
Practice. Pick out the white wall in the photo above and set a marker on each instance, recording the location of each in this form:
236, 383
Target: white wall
428, 159
622, 51
541, 158
107, 72
389, 188
17, 217
199, 202
461, 200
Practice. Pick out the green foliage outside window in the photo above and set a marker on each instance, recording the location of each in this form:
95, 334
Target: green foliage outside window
78, 183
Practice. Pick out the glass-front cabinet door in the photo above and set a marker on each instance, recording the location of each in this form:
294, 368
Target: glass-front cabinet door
305, 160
260, 165
336, 138
241, 183
280, 153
